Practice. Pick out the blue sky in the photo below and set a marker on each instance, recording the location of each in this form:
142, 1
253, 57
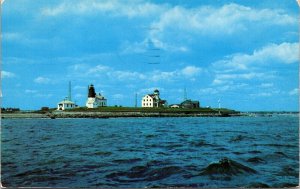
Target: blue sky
242, 52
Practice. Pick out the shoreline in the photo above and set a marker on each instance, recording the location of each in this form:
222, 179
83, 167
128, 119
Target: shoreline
128, 114
62, 114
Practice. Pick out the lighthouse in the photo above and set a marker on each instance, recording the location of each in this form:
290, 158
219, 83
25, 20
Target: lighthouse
94, 100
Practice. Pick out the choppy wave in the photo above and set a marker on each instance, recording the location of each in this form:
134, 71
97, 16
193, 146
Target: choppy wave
228, 167
151, 152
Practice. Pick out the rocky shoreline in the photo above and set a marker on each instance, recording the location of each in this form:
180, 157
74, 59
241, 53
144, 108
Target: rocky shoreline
62, 114
23, 115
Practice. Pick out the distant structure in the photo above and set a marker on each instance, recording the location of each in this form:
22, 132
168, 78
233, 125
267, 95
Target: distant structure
135, 104
94, 100
184, 95
219, 102
190, 104
175, 106
67, 102
153, 100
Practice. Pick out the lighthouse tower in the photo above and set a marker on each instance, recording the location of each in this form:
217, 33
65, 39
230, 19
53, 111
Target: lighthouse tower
94, 100
91, 91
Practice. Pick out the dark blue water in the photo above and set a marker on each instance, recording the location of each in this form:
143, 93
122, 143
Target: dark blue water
150, 152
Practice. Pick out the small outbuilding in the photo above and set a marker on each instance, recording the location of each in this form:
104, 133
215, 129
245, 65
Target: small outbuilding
65, 104
175, 106
190, 104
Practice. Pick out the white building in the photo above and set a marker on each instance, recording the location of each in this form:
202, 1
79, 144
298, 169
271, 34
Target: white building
153, 100
65, 104
95, 101
149, 101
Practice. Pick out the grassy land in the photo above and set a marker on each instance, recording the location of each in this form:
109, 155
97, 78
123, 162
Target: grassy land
106, 112
161, 110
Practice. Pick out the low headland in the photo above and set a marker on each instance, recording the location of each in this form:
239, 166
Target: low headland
115, 112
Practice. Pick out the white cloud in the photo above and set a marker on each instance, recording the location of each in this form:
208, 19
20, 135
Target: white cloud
22, 38
6, 74
241, 76
42, 80
237, 86
211, 20
79, 67
85, 70
135, 47
262, 94
112, 7
286, 53
191, 71
29, 91
217, 81
228, 18
229, 78
17, 60
162, 75
294, 92
266, 93
253, 66
10, 36
144, 46
99, 69
188, 71
223, 88
266, 85
126, 75
149, 90
60, 9
207, 91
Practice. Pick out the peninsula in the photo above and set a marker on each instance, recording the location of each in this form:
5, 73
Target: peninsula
114, 112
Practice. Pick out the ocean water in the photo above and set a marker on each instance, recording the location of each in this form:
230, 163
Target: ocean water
151, 152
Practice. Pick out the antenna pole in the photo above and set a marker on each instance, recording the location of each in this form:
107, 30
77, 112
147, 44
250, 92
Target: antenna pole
135, 100
185, 96
219, 101
70, 95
